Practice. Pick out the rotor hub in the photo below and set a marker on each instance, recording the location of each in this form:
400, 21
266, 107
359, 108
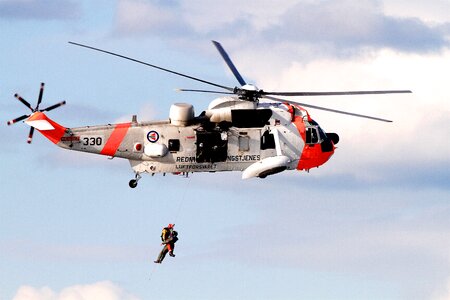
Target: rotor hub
248, 92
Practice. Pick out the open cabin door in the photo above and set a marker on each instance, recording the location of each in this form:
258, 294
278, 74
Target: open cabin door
212, 146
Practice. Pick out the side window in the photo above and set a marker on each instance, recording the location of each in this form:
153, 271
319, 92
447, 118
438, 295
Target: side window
267, 141
174, 145
312, 137
244, 143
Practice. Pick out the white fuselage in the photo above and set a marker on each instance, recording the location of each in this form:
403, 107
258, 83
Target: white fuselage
162, 147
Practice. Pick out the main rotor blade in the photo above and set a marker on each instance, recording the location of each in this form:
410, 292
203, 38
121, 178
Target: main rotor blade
153, 66
328, 109
54, 106
18, 119
25, 102
30, 135
41, 91
335, 93
204, 91
229, 63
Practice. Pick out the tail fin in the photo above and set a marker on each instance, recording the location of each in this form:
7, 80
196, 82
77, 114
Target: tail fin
47, 127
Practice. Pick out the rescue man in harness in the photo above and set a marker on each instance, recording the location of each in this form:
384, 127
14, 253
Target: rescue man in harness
168, 238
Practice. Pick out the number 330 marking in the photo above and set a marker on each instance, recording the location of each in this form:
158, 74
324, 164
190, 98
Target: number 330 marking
92, 141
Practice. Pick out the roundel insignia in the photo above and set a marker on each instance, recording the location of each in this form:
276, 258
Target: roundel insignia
153, 136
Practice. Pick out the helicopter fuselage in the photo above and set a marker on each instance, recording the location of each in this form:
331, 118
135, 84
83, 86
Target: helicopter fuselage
261, 140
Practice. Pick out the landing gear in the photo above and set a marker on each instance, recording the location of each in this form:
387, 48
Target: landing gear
133, 182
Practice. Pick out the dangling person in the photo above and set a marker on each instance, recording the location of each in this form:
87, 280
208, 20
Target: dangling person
168, 238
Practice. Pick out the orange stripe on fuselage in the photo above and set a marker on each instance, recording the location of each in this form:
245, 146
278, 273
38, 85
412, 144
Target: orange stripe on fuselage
116, 138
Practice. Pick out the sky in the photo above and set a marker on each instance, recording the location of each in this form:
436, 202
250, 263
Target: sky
372, 223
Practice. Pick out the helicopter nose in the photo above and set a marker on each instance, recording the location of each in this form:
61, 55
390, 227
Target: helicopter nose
334, 137
328, 144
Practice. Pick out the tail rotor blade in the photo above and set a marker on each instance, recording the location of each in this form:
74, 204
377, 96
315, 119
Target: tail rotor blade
229, 63
33, 110
18, 119
54, 106
30, 135
25, 102
41, 92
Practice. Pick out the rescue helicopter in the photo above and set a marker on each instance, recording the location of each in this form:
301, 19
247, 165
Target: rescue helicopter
246, 129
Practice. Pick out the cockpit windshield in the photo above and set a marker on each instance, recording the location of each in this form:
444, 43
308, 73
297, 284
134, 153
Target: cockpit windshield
315, 135
312, 136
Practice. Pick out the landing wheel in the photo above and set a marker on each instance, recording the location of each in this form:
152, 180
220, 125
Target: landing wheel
133, 183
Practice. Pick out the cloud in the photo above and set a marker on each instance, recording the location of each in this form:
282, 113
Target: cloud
327, 28
136, 17
187, 19
104, 290
420, 119
376, 175
39, 9
430, 12
384, 234
443, 293
343, 26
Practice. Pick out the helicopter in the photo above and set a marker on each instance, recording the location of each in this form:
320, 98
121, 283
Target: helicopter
246, 129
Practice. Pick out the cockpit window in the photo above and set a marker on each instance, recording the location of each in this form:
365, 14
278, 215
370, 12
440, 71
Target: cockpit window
322, 135
312, 136
267, 141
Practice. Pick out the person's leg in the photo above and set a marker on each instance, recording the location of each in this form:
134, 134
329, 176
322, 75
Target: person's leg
172, 247
162, 254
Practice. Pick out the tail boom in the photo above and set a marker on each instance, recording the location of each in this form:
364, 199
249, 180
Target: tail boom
47, 127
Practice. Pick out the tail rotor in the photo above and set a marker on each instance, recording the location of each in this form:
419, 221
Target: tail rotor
33, 110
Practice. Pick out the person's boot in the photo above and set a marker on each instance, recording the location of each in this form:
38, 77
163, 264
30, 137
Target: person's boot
171, 254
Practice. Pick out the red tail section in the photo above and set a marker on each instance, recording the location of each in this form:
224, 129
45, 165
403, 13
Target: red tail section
50, 129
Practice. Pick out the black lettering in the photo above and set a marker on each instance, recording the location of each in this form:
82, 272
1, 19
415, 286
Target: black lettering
185, 159
92, 141
240, 158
